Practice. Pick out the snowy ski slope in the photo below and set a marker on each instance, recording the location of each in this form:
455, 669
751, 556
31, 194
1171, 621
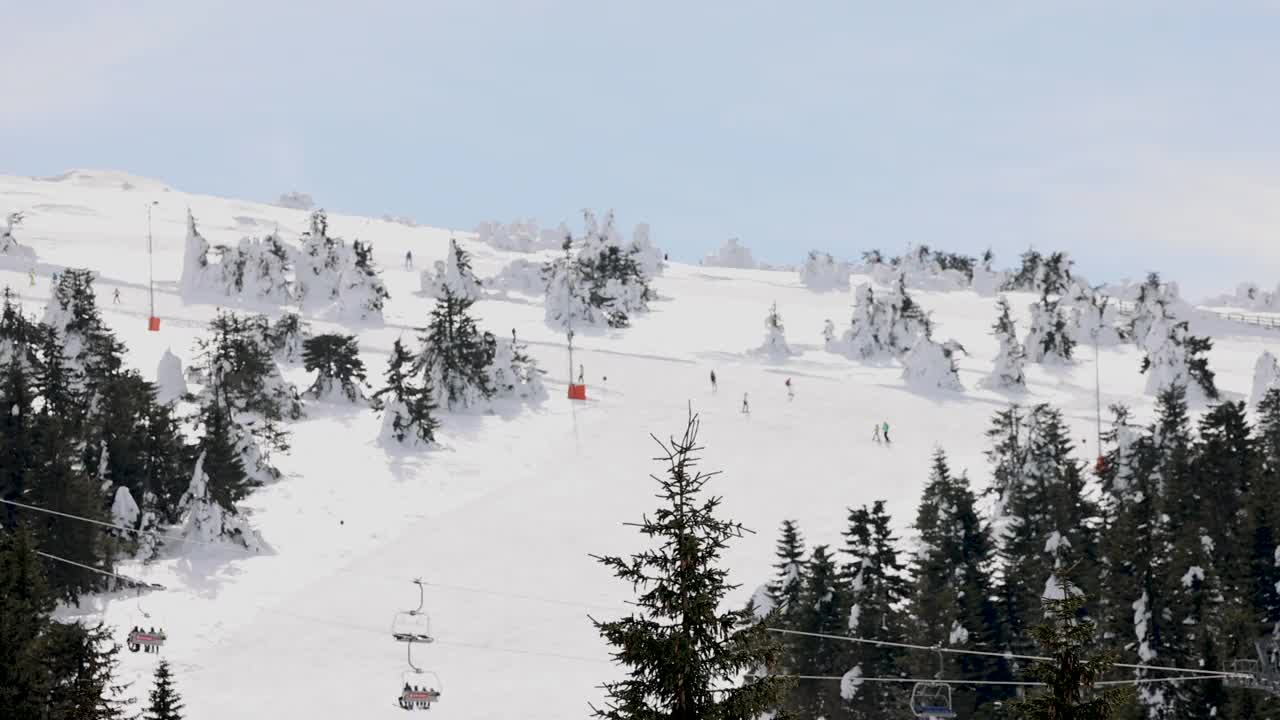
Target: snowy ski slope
501, 517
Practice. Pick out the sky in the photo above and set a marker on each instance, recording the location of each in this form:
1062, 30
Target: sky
1136, 136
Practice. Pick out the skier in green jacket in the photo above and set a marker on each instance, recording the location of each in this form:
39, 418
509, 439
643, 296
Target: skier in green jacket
885, 430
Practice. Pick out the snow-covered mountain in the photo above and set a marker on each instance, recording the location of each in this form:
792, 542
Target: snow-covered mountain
500, 519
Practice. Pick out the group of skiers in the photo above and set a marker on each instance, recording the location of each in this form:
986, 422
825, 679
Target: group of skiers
880, 435
147, 646
407, 703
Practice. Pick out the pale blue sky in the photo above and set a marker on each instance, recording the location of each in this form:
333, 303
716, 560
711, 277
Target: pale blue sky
1134, 134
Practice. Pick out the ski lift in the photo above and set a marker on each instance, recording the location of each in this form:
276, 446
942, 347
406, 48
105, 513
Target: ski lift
931, 700
418, 688
1245, 672
145, 633
413, 625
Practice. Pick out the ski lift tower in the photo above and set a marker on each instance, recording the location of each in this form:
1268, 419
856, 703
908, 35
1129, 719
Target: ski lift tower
153, 321
577, 391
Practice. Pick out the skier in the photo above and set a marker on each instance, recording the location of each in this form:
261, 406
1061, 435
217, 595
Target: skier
580, 382
791, 393
746, 408
885, 429
115, 297
875, 433
31, 276
713, 381
408, 260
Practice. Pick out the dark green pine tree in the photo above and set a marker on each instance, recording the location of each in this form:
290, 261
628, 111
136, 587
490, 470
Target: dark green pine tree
952, 599
25, 610
455, 354
878, 589
1194, 595
17, 435
58, 482
113, 450
164, 701
1224, 466
1073, 670
1008, 454
784, 589
228, 482
1198, 364
823, 608
83, 662
410, 406
1263, 508
16, 331
336, 361
1136, 545
1050, 524
365, 266
686, 658
167, 461
1055, 275
1028, 272
59, 382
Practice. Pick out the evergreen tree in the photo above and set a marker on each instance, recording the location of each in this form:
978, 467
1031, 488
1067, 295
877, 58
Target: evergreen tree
1049, 338
83, 662
1224, 465
166, 463
334, 359
952, 595
1006, 372
784, 589
823, 609
1136, 545
407, 407
1050, 524
1055, 274
165, 703
228, 482
1028, 273
877, 589
1263, 508
25, 610
455, 355
17, 434
685, 656
1072, 672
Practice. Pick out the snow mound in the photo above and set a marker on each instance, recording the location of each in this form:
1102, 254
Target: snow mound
1266, 375
822, 272
519, 276
928, 366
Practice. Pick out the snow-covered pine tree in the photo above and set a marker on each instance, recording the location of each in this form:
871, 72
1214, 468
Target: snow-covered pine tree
823, 608
206, 517
775, 345
453, 274
905, 321
9, 245
89, 344
285, 337
867, 336
604, 284
1049, 339
514, 373
1055, 274
17, 332
455, 354
335, 359
1176, 357
822, 272
931, 366
406, 407
237, 370
951, 601
1266, 377
335, 279
1028, 275
877, 588
195, 261
684, 657
1006, 371
164, 703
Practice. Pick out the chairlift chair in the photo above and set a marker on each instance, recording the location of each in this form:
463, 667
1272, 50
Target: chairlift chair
1245, 673
413, 625
418, 688
145, 633
932, 700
